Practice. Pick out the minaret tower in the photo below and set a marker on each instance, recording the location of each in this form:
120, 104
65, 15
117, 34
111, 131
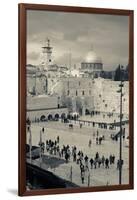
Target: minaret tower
47, 52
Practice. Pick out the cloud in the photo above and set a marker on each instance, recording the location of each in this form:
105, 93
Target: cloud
67, 58
33, 55
75, 32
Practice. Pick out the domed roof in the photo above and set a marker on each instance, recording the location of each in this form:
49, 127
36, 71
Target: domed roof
92, 57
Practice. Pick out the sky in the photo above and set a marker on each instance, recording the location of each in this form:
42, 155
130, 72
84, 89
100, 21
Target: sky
78, 33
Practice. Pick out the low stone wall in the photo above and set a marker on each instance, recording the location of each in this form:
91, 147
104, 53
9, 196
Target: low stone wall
36, 114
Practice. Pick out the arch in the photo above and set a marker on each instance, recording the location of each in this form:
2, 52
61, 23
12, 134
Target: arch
75, 116
80, 111
63, 115
68, 116
42, 118
56, 117
87, 112
50, 117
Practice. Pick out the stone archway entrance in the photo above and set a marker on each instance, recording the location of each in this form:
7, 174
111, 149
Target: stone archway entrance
87, 112
63, 116
50, 117
56, 117
42, 118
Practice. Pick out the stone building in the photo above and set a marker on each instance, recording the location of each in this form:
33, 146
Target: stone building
44, 107
75, 90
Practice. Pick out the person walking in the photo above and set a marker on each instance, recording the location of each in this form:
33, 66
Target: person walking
113, 159
103, 160
86, 162
95, 164
66, 157
57, 139
82, 177
90, 142
82, 173
107, 163
99, 162
97, 156
110, 159
91, 163
96, 140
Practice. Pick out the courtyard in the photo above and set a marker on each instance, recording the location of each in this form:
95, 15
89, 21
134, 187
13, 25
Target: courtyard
80, 138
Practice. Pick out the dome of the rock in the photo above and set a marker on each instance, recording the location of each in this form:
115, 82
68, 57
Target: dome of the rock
92, 57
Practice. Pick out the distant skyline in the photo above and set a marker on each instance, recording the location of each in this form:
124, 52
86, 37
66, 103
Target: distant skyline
77, 33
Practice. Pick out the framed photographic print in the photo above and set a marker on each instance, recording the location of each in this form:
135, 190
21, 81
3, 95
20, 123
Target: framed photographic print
75, 99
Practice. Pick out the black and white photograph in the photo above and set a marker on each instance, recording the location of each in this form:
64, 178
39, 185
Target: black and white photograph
77, 100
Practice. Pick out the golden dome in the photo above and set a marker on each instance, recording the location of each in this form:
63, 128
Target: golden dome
92, 57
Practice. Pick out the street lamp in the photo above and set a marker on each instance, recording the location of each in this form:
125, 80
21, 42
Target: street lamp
41, 131
30, 139
35, 81
120, 140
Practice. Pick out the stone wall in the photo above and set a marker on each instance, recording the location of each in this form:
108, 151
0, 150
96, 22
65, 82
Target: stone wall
36, 114
41, 102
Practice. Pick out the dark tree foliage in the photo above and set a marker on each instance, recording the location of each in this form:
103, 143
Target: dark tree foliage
121, 73
117, 76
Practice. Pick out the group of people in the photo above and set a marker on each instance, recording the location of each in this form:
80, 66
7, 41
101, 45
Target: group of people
95, 163
53, 146
85, 163
98, 138
101, 125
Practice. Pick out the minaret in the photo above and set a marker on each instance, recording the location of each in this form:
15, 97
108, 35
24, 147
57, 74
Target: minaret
47, 51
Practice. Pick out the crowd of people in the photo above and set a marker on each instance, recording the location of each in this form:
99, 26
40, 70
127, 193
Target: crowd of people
95, 163
71, 153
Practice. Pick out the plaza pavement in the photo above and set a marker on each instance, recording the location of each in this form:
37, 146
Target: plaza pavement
80, 138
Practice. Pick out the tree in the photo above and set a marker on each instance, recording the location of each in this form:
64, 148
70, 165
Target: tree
117, 74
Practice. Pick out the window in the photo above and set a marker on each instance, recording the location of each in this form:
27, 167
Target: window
76, 93
68, 92
83, 92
